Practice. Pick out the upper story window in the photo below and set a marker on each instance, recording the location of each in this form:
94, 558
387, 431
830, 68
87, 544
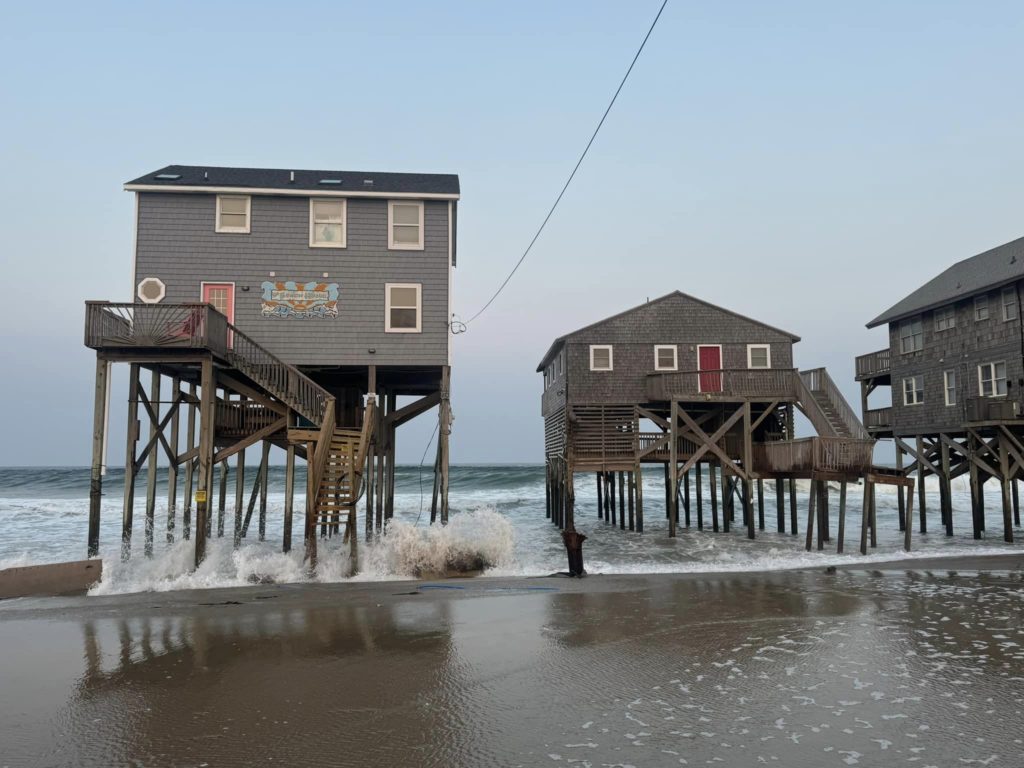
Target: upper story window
911, 336
561, 362
327, 223
759, 356
666, 357
233, 214
1010, 310
980, 308
945, 318
601, 357
949, 384
913, 390
405, 225
404, 307
992, 379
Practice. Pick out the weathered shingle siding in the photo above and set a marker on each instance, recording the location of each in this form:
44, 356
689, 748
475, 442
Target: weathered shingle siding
178, 244
553, 396
676, 320
963, 348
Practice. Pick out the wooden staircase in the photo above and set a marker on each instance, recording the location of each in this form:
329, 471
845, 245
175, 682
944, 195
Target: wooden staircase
826, 408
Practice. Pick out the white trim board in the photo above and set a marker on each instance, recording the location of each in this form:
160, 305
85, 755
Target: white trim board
212, 190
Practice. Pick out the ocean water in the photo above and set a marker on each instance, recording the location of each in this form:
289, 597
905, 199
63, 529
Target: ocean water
497, 514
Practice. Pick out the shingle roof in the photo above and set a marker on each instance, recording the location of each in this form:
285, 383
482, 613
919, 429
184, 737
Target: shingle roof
1003, 264
280, 178
557, 343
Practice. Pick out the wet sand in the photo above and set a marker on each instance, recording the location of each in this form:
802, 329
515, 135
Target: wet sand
871, 667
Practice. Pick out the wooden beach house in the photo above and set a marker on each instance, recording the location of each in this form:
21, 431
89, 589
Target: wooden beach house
285, 307
690, 387
952, 377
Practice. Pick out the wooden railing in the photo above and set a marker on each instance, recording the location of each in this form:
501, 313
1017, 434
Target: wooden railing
725, 383
200, 326
878, 418
841, 455
873, 364
992, 409
818, 382
245, 417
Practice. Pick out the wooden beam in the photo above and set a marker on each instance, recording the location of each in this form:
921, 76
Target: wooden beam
255, 437
238, 387
99, 431
412, 410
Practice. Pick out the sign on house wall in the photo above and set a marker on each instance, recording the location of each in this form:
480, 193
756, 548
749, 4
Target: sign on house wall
289, 298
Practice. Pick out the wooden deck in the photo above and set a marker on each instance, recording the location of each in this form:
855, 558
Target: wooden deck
725, 384
873, 365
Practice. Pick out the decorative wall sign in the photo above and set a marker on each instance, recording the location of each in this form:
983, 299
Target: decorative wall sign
288, 298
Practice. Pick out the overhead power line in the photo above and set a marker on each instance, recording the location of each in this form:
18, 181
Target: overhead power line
575, 168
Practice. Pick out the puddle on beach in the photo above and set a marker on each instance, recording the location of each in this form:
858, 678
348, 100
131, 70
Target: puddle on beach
793, 669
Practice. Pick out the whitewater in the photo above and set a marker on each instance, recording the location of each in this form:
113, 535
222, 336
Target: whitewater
497, 516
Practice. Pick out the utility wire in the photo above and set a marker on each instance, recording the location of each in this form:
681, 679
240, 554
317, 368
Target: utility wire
576, 168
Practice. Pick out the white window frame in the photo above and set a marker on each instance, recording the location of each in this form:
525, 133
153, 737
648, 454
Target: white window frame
234, 230
949, 320
750, 357
910, 322
981, 303
675, 357
561, 362
1012, 291
343, 243
995, 389
392, 245
906, 400
946, 388
611, 357
419, 307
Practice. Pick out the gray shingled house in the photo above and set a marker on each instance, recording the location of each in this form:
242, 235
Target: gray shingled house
286, 307
688, 386
953, 370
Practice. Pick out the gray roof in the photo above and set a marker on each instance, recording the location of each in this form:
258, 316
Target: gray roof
280, 178
556, 345
988, 270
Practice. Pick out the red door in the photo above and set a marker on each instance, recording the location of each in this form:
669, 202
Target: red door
709, 358
222, 297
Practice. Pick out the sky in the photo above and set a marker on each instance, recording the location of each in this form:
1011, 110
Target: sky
805, 163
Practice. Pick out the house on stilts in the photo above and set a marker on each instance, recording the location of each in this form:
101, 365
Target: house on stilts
692, 390
308, 310
953, 378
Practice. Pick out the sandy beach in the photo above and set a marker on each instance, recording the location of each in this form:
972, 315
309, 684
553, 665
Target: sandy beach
797, 668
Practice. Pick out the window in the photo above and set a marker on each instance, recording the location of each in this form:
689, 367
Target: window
233, 214
665, 357
561, 362
151, 290
405, 226
911, 336
980, 308
1010, 303
913, 390
327, 223
992, 379
945, 318
949, 384
759, 356
600, 357
403, 310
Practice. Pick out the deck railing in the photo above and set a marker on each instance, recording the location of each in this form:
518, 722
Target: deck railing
992, 409
722, 384
243, 417
842, 455
820, 384
878, 418
873, 364
200, 326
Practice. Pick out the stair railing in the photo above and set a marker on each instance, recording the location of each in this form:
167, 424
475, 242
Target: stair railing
818, 380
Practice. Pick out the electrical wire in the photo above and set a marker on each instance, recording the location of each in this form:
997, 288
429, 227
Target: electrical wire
574, 170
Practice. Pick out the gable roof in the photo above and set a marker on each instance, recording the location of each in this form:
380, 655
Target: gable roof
991, 269
206, 178
556, 345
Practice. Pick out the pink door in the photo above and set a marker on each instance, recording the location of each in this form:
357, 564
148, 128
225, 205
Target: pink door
222, 297
709, 358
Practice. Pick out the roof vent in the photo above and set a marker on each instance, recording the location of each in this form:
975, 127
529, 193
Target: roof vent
291, 177
168, 176
330, 181
367, 182
206, 175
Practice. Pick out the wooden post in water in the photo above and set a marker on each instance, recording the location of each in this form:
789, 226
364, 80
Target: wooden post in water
151, 468
945, 486
900, 491
632, 498
748, 506
622, 501
611, 497
713, 481
239, 497
686, 497
672, 469
172, 469
289, 490
699, 493
600, 494
728, 486
639, 498
792, 507
264, 478
780, 505
1016, 502
190, 465
99, 432
865, 517
128, 511
444, 436
920, 484
668, 490
874, 518
826, 524
910, 512
1004, 484
760, 504
811, 499
222, 498
206, 443
841, 533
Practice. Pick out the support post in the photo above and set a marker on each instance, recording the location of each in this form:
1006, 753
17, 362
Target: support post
841, 533
780, 505
239, 497
699, 493
151, 468
443, 437
811, 498
632, 496
945, 486
99, 431
172, 469
622, 500
289, 491
190, 465
901, 503
910, 512
1004, 485
920, 484
792, 507
748, 506
208, 394
264, 478
639, 498
760, 504
686, 497
713, 480
128, 511
222, 498
865, 517
673, 452
600, 495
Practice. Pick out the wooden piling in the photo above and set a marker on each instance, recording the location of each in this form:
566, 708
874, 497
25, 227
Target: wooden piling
713, 483
172, 468
672, 470
865, 518
128, 511
264, 478
760, 504
222, 498
1004, 486
206, 443
792, 508
289, 491
910, 512
920, 485
699, 493
945, 486
600, 495
151, 467
841, 532
748, 506
190, 465
900, 491
780, 505
622, 502
811, 499
99, 428
632, 498
639, 498
239, 497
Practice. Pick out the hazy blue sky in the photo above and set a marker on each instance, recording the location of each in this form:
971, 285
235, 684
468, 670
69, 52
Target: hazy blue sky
806, 163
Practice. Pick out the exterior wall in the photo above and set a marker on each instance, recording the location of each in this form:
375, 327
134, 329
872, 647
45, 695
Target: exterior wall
677, 320
961, 349
554, 393
176, 242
